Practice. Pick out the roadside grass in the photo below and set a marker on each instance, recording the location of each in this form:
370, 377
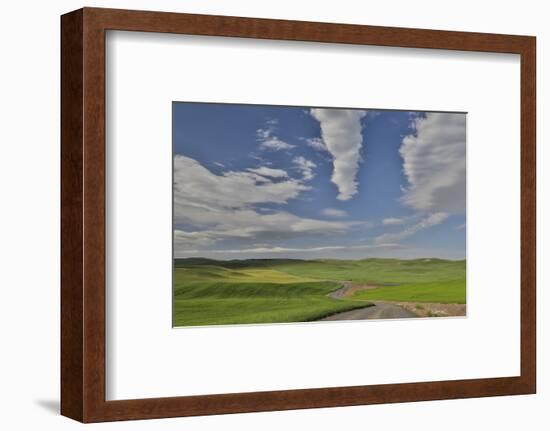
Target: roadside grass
436, 314
443, 292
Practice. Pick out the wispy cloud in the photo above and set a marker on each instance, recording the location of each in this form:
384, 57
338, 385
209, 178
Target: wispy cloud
341, 134
268, 140
305, 166
269, 172
284, 250
393, 221
275, 144
316, 144
434, 162
211, 226
424, 223
334, 212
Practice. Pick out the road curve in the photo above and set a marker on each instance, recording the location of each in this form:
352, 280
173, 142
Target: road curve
348, 288
342, 292
380, 310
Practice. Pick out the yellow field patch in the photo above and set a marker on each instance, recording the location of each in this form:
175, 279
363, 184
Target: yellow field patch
245, 275
273, 276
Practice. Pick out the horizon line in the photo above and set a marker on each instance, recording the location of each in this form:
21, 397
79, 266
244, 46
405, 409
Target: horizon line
321, 258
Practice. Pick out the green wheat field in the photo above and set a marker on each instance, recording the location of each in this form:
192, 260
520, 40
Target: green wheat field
211, 292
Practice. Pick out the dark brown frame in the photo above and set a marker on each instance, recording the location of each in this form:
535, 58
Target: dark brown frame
83, 214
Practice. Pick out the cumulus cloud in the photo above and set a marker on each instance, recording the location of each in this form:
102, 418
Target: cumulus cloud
209, 208
193, 183
305, 166
424, 223
341, 134
393, 221
434, 162
334, 212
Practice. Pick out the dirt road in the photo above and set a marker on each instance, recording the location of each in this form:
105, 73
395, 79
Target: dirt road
380, 310
348, 289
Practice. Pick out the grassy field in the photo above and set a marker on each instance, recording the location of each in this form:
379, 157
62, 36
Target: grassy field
378, 271
443, 292
209, 292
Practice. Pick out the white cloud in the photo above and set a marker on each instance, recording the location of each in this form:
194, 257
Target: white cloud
424, 223
316, 143
434, 162
393, 221
195, 184
269, 172
334, 212
191, 239
341, 134
305, 166
275, 144
268, 140
277, 250
229, 206
248, 224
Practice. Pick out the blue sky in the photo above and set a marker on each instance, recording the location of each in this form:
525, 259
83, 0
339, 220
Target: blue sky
294, 182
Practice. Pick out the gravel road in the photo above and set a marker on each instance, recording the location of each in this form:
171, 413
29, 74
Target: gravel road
380, 309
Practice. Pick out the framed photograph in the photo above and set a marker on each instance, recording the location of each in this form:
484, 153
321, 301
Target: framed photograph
278, 218
268, 215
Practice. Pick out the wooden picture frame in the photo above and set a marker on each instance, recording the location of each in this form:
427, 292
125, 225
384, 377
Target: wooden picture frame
83, 334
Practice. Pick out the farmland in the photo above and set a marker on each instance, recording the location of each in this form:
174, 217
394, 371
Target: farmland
211, 292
